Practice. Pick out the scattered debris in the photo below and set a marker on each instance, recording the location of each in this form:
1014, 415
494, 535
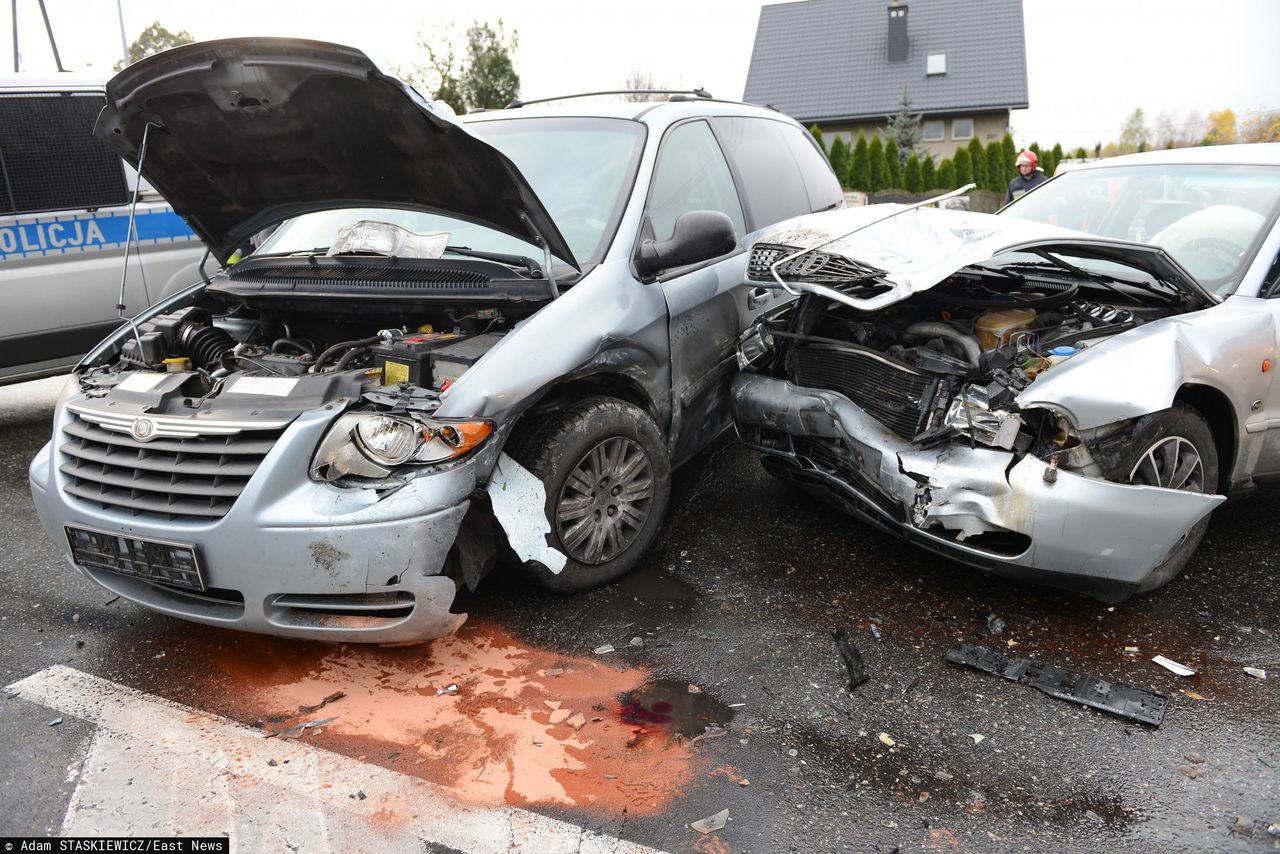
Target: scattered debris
1115, 697
875, 631
1173, 666
158, 655
907, 690
1093, 816
299, 729
55, 721
852, 658
1194, 758
1191, 771
75, 618
711, 823
637, 641
995, 625
551, 704
449, 689
559, 716
604, 649
793, 753
694, 689
1132, 649
736, 705
556, 671
1243, 826
1256, 672
272, 763
1273, 829
744, 782
360, 794
977, 737
943, 776
1192, 694
887, 740
334, 697
112, 600
577, 720
712, 732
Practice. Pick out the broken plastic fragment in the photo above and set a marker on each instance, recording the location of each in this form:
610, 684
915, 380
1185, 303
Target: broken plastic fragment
637, 641
711, 823
559, 716
519, 502
603, 650
299, 729
853, 662
1173, 666
887, 740
577, 720
1117, 698
450, 689
977, 737
1256, 672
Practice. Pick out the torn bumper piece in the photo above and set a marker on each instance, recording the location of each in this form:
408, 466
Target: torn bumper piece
1117, 698
981, 506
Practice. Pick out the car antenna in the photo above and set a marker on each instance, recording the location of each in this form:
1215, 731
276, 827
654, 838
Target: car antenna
773, 268
131, 236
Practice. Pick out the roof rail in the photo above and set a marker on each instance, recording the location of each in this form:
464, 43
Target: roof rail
697, 93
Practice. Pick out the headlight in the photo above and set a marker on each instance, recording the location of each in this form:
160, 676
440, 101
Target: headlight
371, 444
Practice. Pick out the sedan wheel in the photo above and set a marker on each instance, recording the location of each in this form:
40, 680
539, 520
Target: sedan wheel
1172, 463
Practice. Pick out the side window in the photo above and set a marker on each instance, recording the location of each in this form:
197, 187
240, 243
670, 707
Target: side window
819, 179
772, 185
691, 176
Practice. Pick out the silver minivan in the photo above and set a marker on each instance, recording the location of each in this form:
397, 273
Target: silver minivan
64, 222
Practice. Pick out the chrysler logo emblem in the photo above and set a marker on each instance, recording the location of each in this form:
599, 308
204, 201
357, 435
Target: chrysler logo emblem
143, 428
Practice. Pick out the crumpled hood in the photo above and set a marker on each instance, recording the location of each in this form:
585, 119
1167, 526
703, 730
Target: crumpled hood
247, 132
917, 248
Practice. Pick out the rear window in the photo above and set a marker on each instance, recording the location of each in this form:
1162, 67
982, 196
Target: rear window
49, 158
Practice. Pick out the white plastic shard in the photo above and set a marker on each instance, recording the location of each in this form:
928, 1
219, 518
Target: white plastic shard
1173, 666
519, 502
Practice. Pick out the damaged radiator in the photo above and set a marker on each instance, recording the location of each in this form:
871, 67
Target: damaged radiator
892, 393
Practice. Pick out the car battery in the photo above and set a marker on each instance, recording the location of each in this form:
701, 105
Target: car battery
450, 362
407, 359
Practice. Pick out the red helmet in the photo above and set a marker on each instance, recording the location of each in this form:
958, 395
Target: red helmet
1026, 157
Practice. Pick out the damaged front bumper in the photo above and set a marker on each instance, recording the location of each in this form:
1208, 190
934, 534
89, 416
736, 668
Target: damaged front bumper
989, 508
292, 557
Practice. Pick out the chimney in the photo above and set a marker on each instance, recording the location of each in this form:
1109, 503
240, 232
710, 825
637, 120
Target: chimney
897, 32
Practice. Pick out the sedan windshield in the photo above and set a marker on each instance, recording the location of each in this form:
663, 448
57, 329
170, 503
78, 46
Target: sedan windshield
1210, 218
581, 168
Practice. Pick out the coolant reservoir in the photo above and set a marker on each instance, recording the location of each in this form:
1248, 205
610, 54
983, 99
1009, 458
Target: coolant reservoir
997, 326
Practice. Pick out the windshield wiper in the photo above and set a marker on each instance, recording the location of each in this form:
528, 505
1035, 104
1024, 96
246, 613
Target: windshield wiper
534, 268
1108, 282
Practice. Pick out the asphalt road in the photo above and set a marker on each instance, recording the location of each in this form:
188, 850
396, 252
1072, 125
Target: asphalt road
738, 600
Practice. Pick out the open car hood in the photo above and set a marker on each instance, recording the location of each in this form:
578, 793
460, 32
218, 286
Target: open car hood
247, 132
907, 250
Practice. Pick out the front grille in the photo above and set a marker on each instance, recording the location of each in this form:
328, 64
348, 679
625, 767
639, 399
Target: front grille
893, 394
342, 275
816, 267
171, 478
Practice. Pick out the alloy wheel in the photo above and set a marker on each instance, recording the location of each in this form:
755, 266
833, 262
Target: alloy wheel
604, 504
1172, 463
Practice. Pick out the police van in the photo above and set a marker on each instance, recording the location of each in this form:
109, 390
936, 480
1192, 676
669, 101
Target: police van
64, 225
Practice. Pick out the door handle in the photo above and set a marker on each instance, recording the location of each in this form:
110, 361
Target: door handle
757, 297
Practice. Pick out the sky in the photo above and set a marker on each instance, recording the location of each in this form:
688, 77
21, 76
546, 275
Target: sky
1090, 63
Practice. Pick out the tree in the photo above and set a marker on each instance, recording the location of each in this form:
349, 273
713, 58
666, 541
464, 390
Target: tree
640, 78
1222, 128
878, 166
963, 167
1261, 126
904, 130
859, 177
1134, 135
1057, 155
1080, 153
154, 39
1193, 129
947, 178
840, 162
978, 163
816, 132
1165, 132
893, 163
441, 74
928, 173
995, 167
1010, 152
490, 80
911, 175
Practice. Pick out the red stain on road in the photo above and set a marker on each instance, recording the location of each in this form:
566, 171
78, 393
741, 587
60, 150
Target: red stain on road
498, 739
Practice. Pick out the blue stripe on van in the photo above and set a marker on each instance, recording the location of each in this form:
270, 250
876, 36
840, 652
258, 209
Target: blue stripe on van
85, 231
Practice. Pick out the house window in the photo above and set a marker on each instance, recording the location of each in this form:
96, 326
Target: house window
935, 64
934, 131
962, 128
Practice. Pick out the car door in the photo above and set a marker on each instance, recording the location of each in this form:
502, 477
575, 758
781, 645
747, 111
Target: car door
691, 174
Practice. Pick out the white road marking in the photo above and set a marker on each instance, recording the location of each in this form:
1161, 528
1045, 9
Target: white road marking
155, 767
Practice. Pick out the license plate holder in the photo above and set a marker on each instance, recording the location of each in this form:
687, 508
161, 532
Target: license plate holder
172, 564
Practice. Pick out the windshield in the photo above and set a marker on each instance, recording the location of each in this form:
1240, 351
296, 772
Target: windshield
1210, 218
581, 168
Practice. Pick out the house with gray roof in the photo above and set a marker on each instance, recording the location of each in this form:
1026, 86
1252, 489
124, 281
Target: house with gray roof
844, 65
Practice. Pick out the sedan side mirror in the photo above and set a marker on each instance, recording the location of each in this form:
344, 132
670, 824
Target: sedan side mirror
697, 236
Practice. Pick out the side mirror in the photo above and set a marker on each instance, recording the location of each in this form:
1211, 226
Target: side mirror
697, 236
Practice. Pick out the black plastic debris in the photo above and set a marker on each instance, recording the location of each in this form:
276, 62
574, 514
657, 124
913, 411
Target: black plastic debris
1117, 698
995, 625
852, 658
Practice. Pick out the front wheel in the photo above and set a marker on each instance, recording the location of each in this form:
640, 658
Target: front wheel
605, 469
1172, 449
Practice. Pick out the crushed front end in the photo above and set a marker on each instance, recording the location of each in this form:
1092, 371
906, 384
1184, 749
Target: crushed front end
898, 401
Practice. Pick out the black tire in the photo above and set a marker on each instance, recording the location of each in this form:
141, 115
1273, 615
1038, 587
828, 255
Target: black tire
1131, 464
588, 437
